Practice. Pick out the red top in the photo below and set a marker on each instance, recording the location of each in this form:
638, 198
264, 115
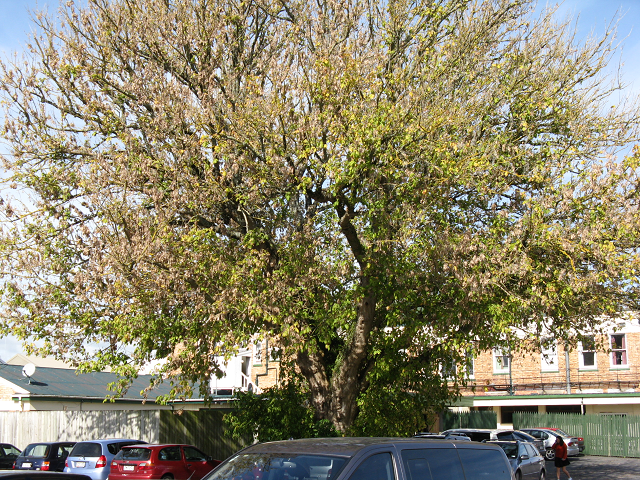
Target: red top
561, 450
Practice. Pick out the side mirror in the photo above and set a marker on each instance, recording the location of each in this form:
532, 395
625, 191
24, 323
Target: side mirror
524, 457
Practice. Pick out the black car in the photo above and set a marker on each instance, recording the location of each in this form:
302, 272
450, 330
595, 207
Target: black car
44, 456
525, 459
8, 455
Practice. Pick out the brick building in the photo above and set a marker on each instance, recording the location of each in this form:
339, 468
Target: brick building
600, 375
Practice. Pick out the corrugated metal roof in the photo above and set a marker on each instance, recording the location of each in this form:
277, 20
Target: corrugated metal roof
66, 383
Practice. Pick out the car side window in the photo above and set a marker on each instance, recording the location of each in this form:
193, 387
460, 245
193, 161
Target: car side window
484, 464
376, 467
522, 450
531, 451
192, 454
66, 450
432, 464
170, 454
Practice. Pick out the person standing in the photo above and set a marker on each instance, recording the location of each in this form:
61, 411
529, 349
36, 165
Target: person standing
561, 460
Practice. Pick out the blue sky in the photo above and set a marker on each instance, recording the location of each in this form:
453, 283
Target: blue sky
593, 16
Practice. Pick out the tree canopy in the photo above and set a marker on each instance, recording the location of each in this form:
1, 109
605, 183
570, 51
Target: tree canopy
379, 187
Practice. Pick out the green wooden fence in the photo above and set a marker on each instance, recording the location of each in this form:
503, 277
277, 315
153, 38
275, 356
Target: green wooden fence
475, 419
606, 435
205, 429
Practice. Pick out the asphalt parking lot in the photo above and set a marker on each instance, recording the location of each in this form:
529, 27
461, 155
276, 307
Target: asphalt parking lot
599, 468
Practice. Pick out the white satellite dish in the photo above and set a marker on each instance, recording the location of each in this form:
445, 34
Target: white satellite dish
28, 370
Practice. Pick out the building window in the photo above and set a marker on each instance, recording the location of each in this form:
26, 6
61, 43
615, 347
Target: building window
587, 354
257, 353
274, 354
501, 361
618, 350
451, 369
549, 358
469, 365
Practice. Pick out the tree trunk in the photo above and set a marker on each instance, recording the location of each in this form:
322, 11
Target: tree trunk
335, 399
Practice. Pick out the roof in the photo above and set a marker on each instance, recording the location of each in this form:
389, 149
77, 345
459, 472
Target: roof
344, 446
19, 359
56, 383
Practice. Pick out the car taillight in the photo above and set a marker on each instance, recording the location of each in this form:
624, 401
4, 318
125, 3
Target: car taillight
114, 465
102, 462
45, 466
66, 463
146, 465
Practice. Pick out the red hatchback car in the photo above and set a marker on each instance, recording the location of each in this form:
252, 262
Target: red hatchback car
178, 462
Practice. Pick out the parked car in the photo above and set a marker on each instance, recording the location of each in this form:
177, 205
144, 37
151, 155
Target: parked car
8, 455
437, 436
475, 434
549, 438
366, 459
564, 434
93, 458
523, 437
40, 475
525, 459
179, 462
44, 456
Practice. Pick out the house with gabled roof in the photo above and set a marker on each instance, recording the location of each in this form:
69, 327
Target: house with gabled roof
63, 389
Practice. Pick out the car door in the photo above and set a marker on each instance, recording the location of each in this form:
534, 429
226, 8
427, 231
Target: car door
525, 462
534, 460
378, 466
197, 462
432, 464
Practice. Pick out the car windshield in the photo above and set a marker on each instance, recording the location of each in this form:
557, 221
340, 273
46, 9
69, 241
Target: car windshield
86, 450
134, 454
561, 432
254, 466
36, 450
510, 449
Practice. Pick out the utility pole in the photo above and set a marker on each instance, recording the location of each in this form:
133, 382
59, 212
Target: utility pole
567, 367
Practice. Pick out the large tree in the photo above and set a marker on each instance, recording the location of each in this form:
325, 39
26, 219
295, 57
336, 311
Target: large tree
377, 186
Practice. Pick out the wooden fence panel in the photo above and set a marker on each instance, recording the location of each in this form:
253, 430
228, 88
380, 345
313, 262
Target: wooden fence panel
607, 435
205, 429
474, 419
22, 428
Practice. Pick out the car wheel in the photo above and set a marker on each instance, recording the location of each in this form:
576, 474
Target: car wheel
518, 475
550, 454
167, 477
542, 475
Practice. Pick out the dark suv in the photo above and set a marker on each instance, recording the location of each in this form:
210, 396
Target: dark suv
44, 456
366, 459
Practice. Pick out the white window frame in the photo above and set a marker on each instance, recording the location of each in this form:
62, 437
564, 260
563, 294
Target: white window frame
620, 351
499, 365
549, 358
464, 369
582, 351
257, 353
470, 365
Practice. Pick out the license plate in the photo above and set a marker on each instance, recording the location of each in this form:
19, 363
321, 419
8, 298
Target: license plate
80, 464
26, 465
128, 468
